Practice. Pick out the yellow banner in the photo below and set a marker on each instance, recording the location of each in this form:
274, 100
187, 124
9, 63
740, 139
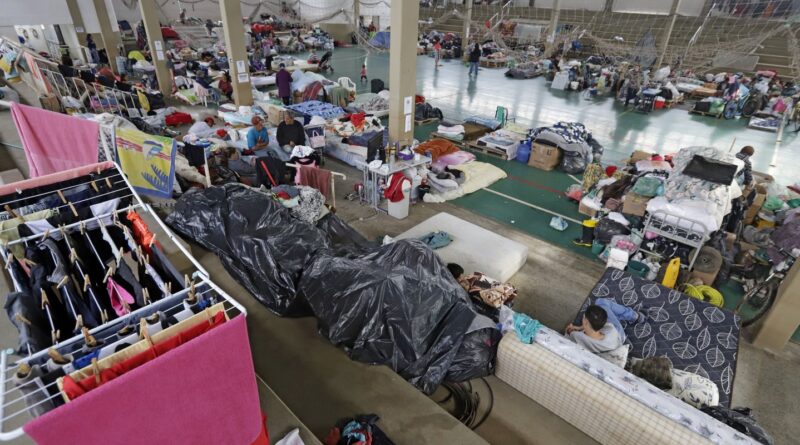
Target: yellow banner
147, 160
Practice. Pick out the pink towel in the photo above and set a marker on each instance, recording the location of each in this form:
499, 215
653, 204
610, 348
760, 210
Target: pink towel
53, 141
117, 295
203, 392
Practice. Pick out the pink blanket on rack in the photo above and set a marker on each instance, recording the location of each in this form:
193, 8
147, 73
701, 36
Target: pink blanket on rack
53, 141
203, 392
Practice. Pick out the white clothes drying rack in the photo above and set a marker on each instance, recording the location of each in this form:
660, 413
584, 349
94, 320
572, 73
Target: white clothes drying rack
333, 175
13, 408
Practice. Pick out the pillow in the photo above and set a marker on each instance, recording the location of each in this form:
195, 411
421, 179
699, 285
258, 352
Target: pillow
617, 356
694, 389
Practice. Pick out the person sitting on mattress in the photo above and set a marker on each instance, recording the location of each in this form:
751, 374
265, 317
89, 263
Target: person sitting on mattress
601, 330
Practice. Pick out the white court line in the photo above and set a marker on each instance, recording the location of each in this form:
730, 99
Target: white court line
542, 209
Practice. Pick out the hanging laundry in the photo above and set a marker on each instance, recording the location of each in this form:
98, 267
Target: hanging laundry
53, 141
317, 178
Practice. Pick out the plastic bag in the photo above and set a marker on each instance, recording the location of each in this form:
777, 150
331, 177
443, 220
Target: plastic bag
647, 186
741, 420
476, 356
606, 228
558, 223
773, 204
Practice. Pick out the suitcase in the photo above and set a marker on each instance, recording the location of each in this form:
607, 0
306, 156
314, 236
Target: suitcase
377, 86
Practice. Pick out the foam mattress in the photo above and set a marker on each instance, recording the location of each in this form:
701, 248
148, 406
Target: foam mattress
474, 248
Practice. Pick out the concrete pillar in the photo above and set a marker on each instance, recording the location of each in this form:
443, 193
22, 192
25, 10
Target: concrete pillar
776, 328
403, 70
376, 19
77, 21
110, 38
673, 16
156, 44
467, 25
357, 15
552, 27
231, 11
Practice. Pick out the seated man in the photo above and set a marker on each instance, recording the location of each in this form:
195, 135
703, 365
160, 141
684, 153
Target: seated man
257, 137
601, 330
290, 133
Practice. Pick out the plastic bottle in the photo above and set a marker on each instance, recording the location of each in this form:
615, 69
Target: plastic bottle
671, 273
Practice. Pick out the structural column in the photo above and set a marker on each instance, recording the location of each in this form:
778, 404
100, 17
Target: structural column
110, 38
77, 22
155, 41
357, 15
231, 11
467, 25
673, 16
777, 327
552, 27
403, 70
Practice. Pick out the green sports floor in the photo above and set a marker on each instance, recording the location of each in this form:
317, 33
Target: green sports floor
528, 197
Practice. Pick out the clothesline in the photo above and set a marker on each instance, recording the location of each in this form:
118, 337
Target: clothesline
333, 174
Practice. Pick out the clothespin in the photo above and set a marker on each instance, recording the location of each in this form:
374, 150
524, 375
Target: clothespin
72, 207
45, 300
109, 272
95, 187
146, 296
82, 227
152, 240
98, 170
24, 369
104, 316
78, 322
186, 280
12, 212
144, 334
55, 335
61, 195
96, 371
56, 356
126, 306
46, 234
21, 318
73, 255
141, 256
90, 341
108, 183
63, 281
30, 262
85, 282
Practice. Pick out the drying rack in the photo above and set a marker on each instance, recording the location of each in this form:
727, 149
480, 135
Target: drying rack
333, 175
13, 408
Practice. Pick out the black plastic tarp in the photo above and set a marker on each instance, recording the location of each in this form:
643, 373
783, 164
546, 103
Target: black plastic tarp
395, 305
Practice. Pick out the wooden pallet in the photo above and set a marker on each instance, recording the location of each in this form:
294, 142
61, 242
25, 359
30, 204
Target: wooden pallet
704, 113
427, 121
473, 145
493, 63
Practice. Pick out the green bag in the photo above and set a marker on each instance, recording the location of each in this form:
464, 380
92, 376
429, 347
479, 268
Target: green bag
647, 186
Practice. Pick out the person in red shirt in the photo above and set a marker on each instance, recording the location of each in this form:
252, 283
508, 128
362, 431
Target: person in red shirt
226, 86
437, 51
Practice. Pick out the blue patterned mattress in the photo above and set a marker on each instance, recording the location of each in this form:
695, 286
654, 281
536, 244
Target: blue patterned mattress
696, 336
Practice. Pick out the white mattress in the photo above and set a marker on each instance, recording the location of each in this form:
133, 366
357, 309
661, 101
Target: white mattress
474, 248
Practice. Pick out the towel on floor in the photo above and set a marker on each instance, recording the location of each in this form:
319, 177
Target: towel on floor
204, 391
436, 148
55, 142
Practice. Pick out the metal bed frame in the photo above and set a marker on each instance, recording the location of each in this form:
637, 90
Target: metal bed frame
660, 222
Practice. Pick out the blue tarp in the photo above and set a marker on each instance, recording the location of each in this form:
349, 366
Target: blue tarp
381, 39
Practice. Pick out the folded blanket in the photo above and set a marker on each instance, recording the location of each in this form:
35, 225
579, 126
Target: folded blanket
447, 129
436, 148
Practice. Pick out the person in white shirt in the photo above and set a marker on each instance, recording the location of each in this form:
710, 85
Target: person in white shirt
203, 128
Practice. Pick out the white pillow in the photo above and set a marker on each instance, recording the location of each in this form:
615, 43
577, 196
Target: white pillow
694, 389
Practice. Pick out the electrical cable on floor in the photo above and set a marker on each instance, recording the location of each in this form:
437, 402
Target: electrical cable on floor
466, 402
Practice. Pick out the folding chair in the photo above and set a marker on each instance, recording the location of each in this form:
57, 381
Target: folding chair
501, 115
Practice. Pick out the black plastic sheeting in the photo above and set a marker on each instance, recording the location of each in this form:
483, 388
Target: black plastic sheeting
395, 305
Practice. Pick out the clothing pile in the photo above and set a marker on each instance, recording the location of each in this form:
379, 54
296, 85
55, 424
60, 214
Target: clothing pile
425, 110
488, 291
579, 147
361, 430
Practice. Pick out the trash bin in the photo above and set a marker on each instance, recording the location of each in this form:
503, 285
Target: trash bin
399, 209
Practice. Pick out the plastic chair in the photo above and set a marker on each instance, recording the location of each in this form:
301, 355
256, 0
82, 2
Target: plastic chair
348, 84
501, 115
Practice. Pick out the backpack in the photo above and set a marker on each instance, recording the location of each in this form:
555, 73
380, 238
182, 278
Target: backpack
377, 86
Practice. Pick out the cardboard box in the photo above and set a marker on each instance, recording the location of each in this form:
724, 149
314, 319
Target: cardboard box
584, 209
639, 155
758, 201
544, 157
275, 115
634, 204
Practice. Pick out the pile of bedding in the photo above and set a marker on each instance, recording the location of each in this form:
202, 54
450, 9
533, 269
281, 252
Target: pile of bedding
580, 148
452, 132
317, 108
475, 176
527, 70
372, 103
694, 197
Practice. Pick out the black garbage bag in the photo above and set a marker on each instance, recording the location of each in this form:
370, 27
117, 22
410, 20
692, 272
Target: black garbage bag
741, 419
573, 162
260, 244
397, 305
476, 356
606, 228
